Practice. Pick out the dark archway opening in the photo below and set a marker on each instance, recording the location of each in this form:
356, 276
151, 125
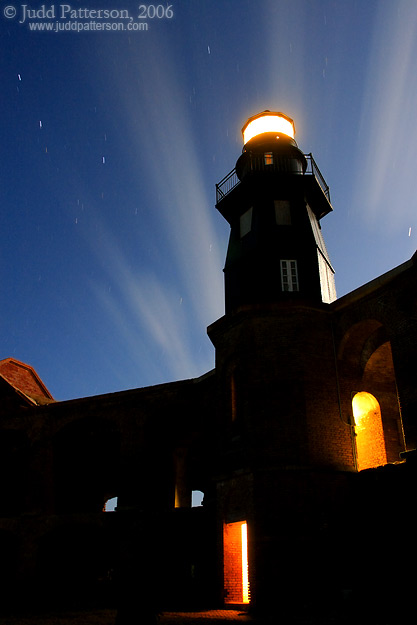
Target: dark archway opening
86, 465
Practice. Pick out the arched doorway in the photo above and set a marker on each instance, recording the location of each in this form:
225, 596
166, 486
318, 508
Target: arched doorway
86, 465
366, 365
370, 441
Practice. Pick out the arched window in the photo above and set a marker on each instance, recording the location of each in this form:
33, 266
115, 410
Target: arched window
370, 442
110, 505
86, 465
197, 497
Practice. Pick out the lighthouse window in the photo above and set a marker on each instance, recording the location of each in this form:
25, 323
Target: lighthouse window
246, 222
282, 212
268, 158
289, 275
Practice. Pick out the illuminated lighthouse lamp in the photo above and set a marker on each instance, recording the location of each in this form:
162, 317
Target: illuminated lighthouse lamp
269, 146
268, 122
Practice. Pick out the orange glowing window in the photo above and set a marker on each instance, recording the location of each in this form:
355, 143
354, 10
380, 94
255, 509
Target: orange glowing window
370, 441
236, 571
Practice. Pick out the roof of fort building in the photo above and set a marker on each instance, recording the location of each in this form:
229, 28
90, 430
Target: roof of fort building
25, 381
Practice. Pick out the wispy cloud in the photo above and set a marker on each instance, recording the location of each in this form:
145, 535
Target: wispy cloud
149, 320
386, 181
147, 308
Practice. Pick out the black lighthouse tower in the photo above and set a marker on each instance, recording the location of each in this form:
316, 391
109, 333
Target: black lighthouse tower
274, 200
278, 405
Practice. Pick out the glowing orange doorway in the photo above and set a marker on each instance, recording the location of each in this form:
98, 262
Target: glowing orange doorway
235, 554
370, 441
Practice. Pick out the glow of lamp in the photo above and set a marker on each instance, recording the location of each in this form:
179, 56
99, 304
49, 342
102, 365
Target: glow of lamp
269, 122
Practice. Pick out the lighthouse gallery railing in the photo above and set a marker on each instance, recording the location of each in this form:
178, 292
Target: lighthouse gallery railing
230, 181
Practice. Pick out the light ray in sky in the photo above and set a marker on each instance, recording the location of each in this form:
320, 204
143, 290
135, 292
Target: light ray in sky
149, 317
286, 56
387, 147
144, 303
165, 151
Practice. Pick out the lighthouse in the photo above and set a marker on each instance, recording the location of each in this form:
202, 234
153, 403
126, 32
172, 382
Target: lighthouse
274, 200
278, 415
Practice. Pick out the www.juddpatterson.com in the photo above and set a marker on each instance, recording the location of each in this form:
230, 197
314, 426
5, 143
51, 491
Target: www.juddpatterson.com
66, 12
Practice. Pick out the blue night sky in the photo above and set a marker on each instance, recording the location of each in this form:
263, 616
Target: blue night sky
111, 249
